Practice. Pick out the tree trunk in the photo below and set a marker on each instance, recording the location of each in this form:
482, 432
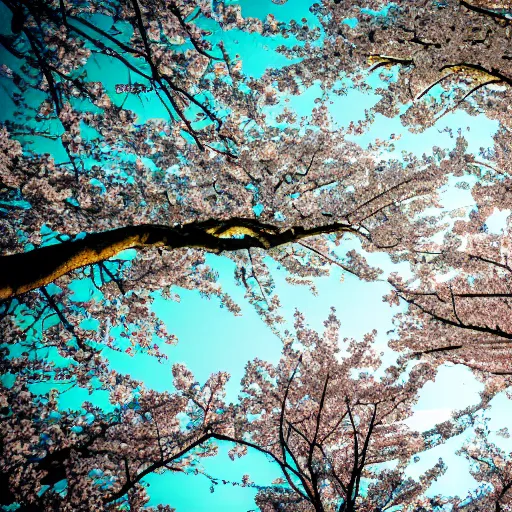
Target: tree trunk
22, 272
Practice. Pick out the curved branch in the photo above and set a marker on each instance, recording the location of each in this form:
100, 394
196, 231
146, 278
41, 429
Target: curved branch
486, 12
493, 72
497, 331
23, 272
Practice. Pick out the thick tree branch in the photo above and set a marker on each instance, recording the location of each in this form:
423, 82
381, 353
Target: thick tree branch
501, 18
20, 273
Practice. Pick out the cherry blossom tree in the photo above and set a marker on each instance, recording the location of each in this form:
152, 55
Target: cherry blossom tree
331, 425
270, 206
86, 175
333, 193
176, 187
320, 414
459, 293
89, 459
491, 466
433, 57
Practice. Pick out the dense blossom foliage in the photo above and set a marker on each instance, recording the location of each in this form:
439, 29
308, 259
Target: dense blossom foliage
491, 466
127, 183
319, 413
435, 56
176, 153
459, 295
89, 459
331, 424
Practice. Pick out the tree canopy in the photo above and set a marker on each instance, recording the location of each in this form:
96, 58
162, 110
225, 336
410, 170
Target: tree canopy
138, 138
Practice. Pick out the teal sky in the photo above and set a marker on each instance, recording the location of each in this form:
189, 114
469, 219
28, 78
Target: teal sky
212, 339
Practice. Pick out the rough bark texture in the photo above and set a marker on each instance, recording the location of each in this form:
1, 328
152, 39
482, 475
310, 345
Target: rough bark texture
20, 273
